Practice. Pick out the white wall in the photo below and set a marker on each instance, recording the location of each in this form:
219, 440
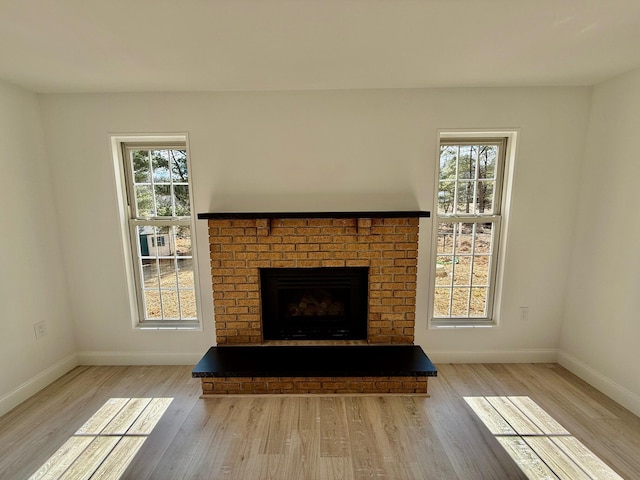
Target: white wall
341, 150
601, 330
32, 283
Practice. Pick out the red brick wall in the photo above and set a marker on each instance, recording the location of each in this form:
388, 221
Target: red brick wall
294, 385
388, 246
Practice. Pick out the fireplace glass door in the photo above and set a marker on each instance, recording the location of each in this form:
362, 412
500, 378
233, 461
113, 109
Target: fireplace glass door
314, 303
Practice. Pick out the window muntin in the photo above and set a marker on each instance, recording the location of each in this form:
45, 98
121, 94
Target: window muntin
468, 225
160, 226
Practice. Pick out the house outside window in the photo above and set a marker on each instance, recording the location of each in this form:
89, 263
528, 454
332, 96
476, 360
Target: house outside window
160, 225
468, 230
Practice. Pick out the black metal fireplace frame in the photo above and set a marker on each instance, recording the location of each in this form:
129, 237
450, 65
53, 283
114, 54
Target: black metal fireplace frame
350, 326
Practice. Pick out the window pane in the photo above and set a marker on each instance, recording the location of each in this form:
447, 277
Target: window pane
481, 267
185, 273
465, 198
487, 161
483, 238
441, 302
188, 303
150, 273
183, 241
445, 198
460, 303
462, 271
464, 237
146, 241
478, 302
448, 162
168, 277
170, 304
160, 162
445, 238
179, 166
152, 304
444, 270
163, 200
140, 166
181, 193
144, 201
484, 198
467, 162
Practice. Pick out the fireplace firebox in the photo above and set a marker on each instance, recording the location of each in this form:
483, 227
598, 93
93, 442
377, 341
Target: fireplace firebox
327, 303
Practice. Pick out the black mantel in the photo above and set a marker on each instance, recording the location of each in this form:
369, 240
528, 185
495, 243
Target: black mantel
275, 215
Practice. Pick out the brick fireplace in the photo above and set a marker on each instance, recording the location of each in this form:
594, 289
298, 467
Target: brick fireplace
243, 246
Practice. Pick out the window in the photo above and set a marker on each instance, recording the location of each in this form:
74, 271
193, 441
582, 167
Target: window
468, 227
160, 241
160, 224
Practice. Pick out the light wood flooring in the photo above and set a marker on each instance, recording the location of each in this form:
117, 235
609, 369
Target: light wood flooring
314, 437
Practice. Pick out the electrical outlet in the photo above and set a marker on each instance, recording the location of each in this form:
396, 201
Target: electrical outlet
524, 314
41, 329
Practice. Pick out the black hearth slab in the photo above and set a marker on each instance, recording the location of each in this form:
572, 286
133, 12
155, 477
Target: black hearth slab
281, 215
315, 361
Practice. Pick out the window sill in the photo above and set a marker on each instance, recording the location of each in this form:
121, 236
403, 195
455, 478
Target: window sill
190, 327
437, 325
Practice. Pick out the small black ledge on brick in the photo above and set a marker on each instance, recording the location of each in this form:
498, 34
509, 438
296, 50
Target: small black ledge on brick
274, 215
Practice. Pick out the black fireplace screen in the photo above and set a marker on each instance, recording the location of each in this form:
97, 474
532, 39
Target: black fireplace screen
314, 303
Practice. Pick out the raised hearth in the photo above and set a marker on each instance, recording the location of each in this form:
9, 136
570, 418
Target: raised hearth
315, 369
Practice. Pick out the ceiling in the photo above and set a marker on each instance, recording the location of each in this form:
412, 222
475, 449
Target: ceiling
214, 45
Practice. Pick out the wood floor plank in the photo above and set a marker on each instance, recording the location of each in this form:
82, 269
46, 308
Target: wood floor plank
530, 463
496, 423
585, 458
90, 459
60, 461
150, 416
103, 416
126, 417
514, 416
545, 422
557, 460
333, 428
117, 462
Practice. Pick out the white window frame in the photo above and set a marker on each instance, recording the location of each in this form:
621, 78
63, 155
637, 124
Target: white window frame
129, 224
499, 219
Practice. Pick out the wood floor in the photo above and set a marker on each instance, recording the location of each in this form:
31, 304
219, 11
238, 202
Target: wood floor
316, 437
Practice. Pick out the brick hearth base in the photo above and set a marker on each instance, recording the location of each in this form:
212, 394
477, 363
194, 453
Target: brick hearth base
301, 385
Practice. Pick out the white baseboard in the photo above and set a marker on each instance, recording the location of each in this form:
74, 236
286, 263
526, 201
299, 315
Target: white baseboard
613, 390
138, 358
37, 383
494, 356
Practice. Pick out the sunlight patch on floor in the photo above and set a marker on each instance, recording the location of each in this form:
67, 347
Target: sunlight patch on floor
105, 445
540, 446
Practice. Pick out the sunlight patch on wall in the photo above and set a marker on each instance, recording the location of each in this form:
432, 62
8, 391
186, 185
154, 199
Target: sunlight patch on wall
540, 446
105, 445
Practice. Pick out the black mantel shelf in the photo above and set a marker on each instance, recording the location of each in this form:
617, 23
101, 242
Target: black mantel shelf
275, 215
